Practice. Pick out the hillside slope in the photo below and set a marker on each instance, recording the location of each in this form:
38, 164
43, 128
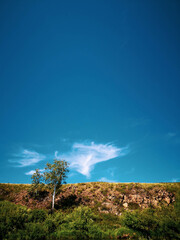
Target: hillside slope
104, 197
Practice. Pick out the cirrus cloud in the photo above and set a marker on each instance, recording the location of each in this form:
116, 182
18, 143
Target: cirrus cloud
27, 158
83, 156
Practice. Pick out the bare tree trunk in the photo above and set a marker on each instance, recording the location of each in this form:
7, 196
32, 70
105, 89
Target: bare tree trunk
53, 198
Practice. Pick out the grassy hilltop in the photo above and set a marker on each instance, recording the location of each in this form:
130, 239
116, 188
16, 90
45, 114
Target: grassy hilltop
91, 211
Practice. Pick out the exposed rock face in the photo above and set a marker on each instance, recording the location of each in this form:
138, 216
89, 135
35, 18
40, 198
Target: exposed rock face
106, 197
145, 199
116, 199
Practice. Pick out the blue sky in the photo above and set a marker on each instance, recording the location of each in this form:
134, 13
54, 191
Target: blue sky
94, 82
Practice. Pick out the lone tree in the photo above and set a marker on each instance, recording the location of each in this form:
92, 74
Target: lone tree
55, 176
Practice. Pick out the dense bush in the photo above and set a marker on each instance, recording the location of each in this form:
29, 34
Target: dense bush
50, 225
12, 217
154, 224
19, 223
37, 215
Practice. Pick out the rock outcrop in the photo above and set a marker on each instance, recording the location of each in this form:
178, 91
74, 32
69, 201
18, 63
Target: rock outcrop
105, 197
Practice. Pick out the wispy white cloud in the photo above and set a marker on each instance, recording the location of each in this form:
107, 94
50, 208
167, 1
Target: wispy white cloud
104, 179
33, 171
84, 156
27, 158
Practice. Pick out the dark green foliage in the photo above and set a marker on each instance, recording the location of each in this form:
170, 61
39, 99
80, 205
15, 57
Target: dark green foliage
55, 174
37, 180
140, 222
50, 225
155, 224
37, 215
108, 221
82, 224
12, 217
36, 231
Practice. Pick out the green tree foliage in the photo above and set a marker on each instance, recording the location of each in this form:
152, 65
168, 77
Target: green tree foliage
37, 181
55, 175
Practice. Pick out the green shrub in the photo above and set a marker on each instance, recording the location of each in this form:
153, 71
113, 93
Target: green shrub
95, 232
38, 215
66, 234
140, 222
50, 225
154, 223
125, 232
12, 218
59, 218
80, 218
35, 231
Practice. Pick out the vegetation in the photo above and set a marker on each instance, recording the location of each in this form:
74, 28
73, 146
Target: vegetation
18, 222
37, 182
74, 218
54, 176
